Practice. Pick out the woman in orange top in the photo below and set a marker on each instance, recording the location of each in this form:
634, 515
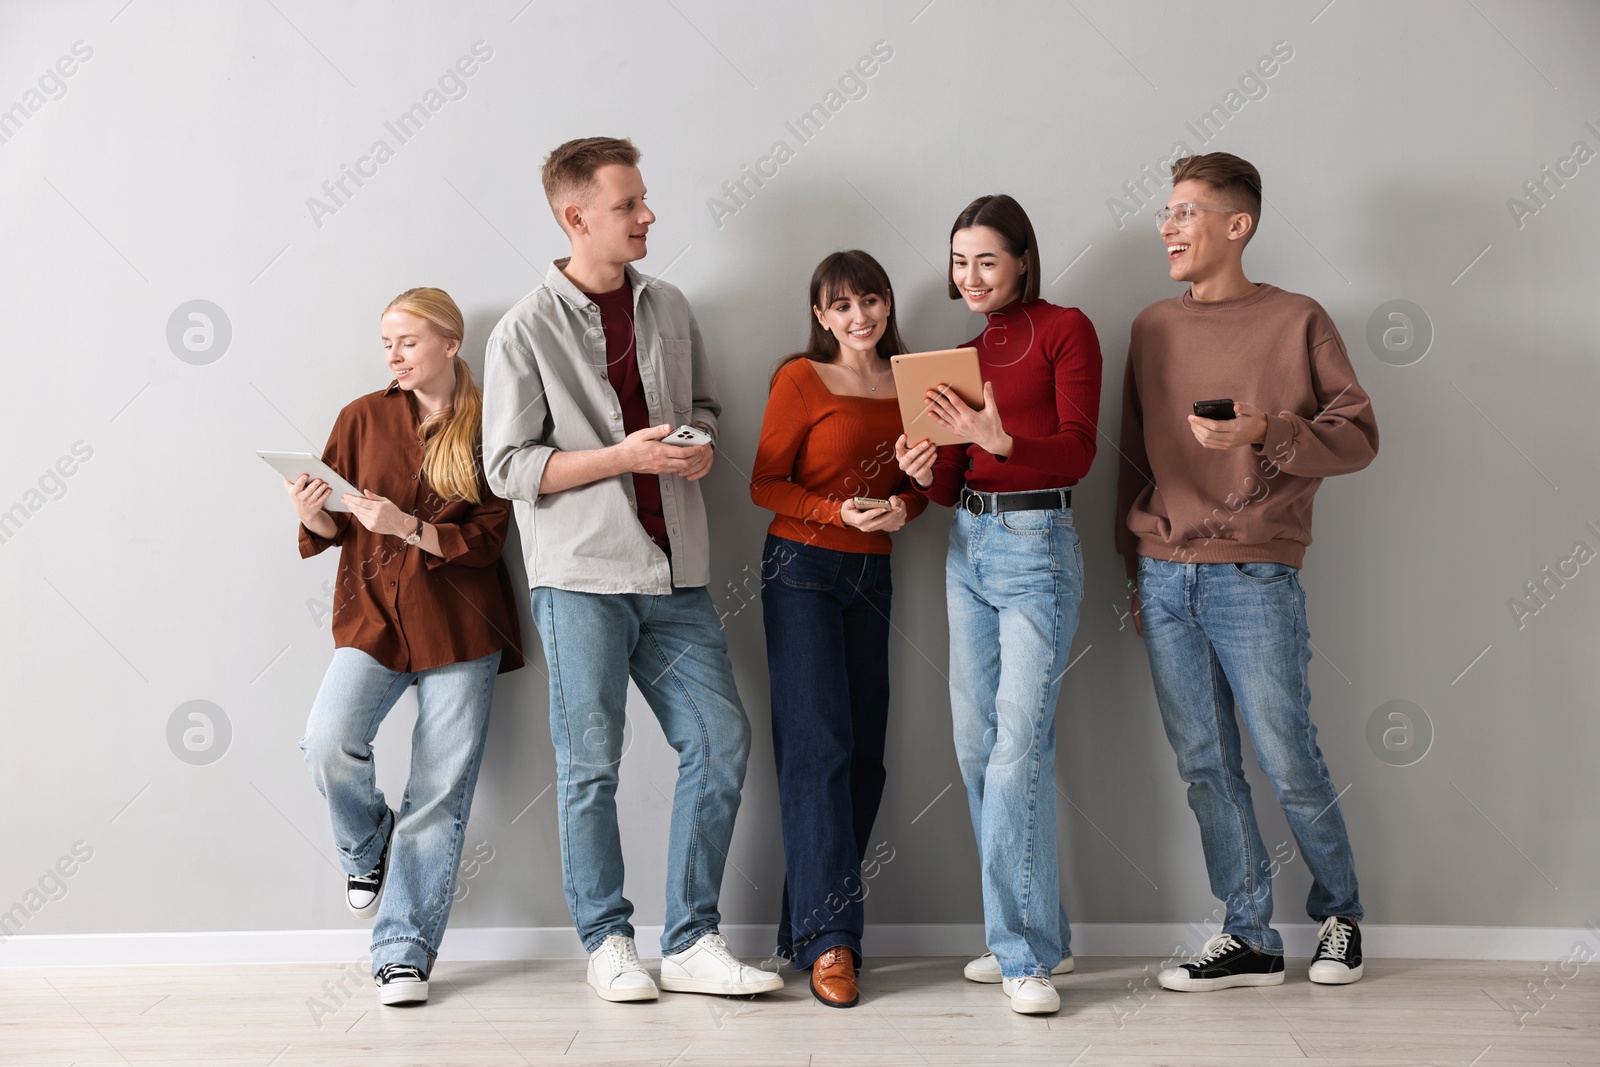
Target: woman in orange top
827, 442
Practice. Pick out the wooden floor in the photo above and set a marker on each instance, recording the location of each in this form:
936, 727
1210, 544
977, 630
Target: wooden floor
913, 1011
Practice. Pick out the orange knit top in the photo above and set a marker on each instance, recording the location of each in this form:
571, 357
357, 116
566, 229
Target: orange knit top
818, 449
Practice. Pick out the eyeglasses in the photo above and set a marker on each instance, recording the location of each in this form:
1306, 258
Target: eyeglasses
1184, 213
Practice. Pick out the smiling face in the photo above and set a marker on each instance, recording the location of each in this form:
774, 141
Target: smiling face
1211, 243
416, 355
856, 322
988, 276
615, 222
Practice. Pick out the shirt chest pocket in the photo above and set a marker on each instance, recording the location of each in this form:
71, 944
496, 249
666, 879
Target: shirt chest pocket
678, 375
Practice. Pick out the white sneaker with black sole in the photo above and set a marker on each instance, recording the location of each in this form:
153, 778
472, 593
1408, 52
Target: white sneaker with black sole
986, 969
1338, 958
361, 891
708, 967
1032, 995
616, 974
1224, 962
401, 983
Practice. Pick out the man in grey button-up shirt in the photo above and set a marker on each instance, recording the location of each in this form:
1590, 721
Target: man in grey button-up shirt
608, 602
546, 394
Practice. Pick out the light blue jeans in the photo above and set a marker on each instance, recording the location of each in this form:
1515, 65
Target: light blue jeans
674, 649
1223, 636
446, 751
1013, 584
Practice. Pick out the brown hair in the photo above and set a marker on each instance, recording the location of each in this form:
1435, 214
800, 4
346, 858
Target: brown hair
1232, 178
568, 172
851, 271
1004, 216
452, 437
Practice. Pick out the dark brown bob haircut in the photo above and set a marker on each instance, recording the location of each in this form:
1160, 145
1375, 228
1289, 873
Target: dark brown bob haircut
1004, 216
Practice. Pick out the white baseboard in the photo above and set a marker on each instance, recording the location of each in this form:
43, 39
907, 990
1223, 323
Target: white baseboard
1156, 940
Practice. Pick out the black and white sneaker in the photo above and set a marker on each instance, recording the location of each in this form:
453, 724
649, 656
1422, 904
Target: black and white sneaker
1338, 958
1223, 963
361, 891
401, 983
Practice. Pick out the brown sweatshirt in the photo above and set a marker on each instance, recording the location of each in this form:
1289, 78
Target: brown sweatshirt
1179, 501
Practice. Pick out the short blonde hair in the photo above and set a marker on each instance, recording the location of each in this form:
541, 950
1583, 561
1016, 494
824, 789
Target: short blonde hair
568, 172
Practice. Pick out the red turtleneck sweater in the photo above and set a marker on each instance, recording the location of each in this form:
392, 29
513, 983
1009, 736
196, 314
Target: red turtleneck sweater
1044, 362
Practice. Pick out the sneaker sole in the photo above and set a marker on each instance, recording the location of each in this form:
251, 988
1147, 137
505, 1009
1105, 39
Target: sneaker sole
622, 996
403, 993
994, 977
1035, 1009
1342, 976
721, 989
1205, 985
369, 909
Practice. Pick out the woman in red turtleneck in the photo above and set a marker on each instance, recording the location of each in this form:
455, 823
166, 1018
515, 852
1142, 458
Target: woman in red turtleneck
1014, 579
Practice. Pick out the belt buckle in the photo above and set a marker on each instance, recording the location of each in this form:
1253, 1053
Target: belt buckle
975, 504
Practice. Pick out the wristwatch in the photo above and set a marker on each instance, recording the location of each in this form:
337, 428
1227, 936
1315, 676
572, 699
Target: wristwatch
416, 535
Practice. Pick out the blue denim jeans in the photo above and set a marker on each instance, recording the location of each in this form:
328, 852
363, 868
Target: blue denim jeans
827, 622
674, 649
1013, 583
1226, 636
446, 751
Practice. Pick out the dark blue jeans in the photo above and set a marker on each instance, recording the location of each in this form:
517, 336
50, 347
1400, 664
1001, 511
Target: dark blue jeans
827, 620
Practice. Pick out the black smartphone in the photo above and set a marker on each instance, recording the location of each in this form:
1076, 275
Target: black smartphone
1219, 410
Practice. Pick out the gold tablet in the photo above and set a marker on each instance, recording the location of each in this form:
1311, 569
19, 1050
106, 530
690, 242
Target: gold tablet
917, 372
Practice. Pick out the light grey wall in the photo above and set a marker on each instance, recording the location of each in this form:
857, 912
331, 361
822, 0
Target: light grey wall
176, 163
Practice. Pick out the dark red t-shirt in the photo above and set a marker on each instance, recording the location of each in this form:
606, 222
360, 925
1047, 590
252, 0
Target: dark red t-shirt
622, 370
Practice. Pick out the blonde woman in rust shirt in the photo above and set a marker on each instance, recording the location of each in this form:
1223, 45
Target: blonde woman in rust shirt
827, 439
423, 598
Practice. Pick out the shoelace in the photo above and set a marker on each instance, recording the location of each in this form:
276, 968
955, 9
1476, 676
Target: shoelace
624, 955
1334, 939
389, 972
360, 881
718, 947
1216, 948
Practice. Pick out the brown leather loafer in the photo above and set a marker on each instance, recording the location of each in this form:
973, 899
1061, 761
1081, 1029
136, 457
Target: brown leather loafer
833, 978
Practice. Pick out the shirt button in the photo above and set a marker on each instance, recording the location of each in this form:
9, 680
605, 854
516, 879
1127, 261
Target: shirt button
615, 416
596, 335
413, 477
652, 398
391, 585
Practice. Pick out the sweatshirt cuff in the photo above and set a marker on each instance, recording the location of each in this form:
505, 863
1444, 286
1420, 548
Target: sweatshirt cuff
1277, 447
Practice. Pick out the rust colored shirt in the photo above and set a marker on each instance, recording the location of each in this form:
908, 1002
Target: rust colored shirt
408, 609
818, 449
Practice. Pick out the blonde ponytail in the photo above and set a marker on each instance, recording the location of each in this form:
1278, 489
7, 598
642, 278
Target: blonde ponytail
452, 438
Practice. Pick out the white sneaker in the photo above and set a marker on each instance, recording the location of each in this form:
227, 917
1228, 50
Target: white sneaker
708, 967
986, 969
616, 973
1032, 996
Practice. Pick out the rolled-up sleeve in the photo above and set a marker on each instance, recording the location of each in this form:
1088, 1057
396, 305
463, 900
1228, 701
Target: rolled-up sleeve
515, 417
475, 540
340, 445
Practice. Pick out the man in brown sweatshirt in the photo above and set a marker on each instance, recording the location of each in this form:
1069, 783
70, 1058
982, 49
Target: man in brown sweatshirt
1214, 517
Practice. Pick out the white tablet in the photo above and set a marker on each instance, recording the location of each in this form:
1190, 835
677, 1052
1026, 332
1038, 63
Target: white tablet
293, 464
